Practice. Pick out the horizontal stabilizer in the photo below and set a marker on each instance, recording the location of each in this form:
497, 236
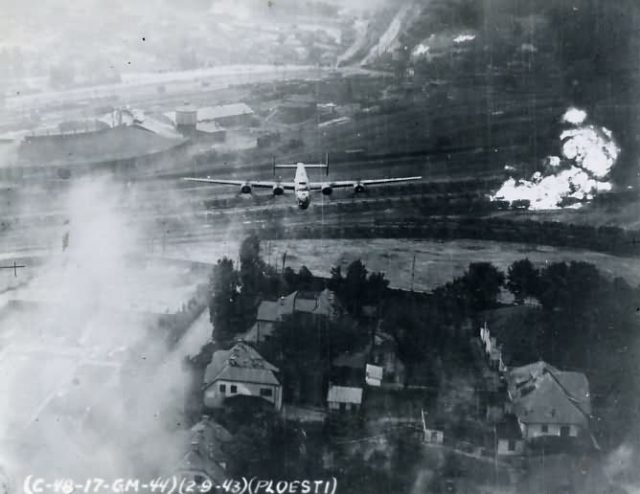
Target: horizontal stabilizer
306, 165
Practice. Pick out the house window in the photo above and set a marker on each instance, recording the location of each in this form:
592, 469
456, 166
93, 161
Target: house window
512, 445
266, 392
234, 388
343, 407
434, 436
223, 388
545, 429
564, 431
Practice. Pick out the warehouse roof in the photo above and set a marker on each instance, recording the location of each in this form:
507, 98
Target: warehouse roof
103, 146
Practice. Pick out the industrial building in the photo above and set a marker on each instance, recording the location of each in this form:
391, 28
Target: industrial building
297, 108
125, 151
187, 117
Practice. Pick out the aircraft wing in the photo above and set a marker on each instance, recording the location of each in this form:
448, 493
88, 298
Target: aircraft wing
267, 184
352, 183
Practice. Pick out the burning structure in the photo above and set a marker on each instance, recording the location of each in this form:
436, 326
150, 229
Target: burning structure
588, 154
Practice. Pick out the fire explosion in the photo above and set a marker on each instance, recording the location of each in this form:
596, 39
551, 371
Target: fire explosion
589, 153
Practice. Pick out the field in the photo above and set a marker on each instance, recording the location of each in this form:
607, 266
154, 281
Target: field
436, 262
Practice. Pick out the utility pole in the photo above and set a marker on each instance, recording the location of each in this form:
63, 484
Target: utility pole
15, 267
164, 236
413, 270
495, 456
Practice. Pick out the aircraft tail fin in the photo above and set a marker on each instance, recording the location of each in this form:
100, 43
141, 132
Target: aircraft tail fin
324, 165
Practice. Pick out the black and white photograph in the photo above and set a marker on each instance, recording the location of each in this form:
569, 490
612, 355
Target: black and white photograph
320, 247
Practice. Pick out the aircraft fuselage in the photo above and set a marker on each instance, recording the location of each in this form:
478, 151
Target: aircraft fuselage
301, 182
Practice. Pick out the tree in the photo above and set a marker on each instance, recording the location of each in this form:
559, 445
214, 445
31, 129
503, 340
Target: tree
355, 286
377, 286
255, 426
336, 280
408, 329
522, 280
553, 289
223, 291
482, 283
290, 278
305, 278
251, 266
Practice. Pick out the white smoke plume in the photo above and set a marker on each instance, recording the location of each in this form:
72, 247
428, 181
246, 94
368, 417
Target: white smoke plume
589, 153
89, 387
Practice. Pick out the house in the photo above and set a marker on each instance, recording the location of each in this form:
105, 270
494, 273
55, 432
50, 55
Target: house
312, 307
548, 402
385, 354
240, 371
266, 319
344, 398
508, 437
373, 375
315, 304
492, 349
349, 368
433, 429
206, 458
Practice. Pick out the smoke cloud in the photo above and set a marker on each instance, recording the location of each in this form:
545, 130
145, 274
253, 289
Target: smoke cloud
589, 153
89, 386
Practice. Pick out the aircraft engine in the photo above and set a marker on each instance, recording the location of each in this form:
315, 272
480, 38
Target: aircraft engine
358, 188
326, 189
278, 190
245, 189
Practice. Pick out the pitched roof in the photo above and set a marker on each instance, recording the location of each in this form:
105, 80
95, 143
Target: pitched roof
268, 311
549, 395
245, 375
195, 461
241, 363
374, 375
527, 372
344, 394
576, 386
103, 146
321, 303
159, 127
287, 304
210, 430
258, 330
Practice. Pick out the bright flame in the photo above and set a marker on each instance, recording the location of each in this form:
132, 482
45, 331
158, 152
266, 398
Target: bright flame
588, 156
591, 148
463, 38
574, 116
421, 49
